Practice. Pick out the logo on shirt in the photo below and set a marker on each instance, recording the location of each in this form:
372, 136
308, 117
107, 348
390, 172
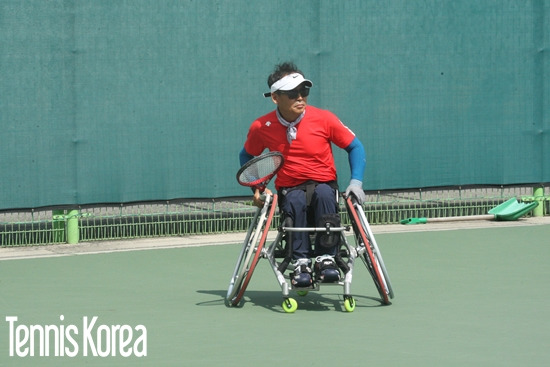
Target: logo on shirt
268, 123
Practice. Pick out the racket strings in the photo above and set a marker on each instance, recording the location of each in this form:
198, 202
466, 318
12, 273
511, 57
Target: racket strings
260, 170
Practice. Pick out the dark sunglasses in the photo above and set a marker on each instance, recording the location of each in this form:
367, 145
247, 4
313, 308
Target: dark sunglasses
293, 94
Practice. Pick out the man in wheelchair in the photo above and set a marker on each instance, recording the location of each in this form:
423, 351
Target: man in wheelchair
307, 183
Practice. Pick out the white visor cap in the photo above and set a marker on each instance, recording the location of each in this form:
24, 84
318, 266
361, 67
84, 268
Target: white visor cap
288, 82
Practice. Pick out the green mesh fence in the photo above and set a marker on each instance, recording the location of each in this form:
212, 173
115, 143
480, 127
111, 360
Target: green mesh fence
191, 217
392, 207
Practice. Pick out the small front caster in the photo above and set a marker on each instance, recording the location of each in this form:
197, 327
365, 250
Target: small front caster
349, 303
290, 305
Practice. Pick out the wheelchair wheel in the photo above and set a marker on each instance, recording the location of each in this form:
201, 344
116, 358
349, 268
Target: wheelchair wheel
368, 257
290, 305
349, 304
251, 251
375, 250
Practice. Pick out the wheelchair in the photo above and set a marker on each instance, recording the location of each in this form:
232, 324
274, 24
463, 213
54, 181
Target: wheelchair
278, 252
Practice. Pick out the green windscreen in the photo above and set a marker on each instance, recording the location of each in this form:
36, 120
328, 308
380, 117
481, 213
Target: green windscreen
115, 101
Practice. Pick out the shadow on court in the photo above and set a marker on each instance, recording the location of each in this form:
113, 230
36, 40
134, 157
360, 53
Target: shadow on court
272, 300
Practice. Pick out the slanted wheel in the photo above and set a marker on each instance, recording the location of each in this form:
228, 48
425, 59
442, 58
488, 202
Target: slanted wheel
375, 250
290, 305
367, 255
380, 263
301, 293
251, 251
349, 303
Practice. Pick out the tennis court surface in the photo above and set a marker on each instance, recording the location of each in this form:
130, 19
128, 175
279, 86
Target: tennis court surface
473, 294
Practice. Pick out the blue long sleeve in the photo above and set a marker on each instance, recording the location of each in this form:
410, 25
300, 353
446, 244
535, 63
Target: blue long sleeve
357, 159
244, 157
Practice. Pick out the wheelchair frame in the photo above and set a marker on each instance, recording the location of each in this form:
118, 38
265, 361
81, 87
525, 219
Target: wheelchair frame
364, 247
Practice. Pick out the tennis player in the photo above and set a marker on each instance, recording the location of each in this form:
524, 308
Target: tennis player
307, 183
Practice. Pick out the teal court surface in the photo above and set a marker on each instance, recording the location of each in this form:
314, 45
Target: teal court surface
471, 294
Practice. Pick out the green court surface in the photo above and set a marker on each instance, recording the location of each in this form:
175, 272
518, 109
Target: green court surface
470, 297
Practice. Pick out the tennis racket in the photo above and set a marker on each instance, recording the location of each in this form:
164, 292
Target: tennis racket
258, 171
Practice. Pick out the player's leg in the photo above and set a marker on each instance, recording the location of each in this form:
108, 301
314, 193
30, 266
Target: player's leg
324, 208
293, 204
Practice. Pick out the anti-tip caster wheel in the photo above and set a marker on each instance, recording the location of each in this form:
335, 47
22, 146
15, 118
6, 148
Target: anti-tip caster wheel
290, 305
349, 304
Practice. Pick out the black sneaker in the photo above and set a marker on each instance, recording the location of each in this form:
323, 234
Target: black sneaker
326, 269
301, 277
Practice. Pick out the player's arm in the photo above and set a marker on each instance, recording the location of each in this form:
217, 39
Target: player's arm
357, 163
244, 156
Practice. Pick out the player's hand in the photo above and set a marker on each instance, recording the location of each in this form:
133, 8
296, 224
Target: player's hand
356, 189
259, 197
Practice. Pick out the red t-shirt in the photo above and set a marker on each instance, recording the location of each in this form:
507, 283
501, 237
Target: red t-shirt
309, 156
